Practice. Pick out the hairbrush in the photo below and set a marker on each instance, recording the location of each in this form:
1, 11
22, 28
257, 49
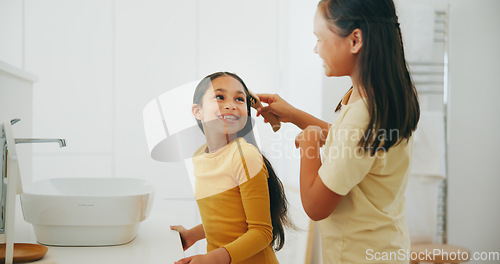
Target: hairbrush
270, 117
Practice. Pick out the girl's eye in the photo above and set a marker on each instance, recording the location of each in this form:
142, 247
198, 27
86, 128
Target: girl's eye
241, 99
220, 97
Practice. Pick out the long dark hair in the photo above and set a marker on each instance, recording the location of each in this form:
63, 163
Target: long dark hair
278, 201
392, 97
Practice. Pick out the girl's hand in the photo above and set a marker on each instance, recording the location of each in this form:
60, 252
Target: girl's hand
187, 238
312, 136
278, 106
218, 256
196, 259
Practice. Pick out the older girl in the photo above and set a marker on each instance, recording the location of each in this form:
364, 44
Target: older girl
356, 189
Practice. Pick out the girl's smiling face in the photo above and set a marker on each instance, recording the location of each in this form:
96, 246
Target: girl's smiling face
224, 107
336, 51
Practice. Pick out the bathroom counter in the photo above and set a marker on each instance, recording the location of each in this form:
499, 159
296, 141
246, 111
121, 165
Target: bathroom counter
155, 242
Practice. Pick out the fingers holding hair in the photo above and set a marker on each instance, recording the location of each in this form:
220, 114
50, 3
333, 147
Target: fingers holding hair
268, 98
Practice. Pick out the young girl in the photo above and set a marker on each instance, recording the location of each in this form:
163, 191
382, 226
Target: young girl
357, 188
241, 200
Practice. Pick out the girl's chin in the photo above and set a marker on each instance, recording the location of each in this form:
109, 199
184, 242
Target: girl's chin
232, 130
328, 71
328, 74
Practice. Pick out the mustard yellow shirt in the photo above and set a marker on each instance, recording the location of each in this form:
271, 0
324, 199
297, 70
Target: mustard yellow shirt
368, 225
233, 198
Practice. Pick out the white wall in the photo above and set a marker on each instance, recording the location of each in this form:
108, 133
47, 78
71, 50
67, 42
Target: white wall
473, 209
473, 198
300, 83
100, 62
300, 79
154, 51
11, 32
69, 46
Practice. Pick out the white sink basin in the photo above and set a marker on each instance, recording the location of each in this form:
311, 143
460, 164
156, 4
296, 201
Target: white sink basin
86, 211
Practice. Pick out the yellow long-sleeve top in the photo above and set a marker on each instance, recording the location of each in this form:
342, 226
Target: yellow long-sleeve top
233, 198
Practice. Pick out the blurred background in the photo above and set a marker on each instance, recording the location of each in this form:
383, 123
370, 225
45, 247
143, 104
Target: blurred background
94, 65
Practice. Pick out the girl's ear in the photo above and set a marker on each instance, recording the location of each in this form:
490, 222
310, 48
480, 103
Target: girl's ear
356, 40
196, 109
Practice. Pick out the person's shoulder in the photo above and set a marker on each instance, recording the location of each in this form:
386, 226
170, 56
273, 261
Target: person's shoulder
241, 148
357, 114
247, 155
200, 150
248, 148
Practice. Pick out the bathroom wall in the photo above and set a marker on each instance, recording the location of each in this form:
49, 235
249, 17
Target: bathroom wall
473, 212
99, 62
69, 46
11, 32
473, 124
108, 59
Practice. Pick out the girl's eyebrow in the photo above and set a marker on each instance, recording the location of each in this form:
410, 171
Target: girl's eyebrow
224, 90
220, 90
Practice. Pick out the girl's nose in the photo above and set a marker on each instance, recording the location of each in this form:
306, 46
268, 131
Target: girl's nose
229, 105
316, 49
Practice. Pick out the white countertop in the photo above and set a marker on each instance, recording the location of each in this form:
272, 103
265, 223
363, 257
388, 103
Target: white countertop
155, 242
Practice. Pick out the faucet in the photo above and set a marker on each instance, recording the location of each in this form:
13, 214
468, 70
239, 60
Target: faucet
3, 144
62, 142
5, 151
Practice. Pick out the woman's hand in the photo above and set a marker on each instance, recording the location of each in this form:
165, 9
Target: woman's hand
188, 237
285, 112
217, 256
312, 136
278, 106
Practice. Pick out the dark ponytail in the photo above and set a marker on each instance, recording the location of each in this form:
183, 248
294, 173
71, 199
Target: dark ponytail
277, 198
279, 206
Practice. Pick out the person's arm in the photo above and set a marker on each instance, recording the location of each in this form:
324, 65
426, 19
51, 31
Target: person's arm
255, 200
254, 192
317, 199
285, 112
